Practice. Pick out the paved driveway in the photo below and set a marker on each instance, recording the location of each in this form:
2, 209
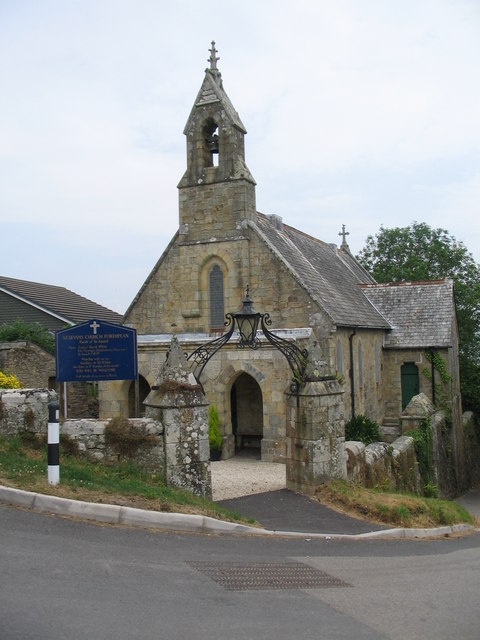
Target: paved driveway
245, 475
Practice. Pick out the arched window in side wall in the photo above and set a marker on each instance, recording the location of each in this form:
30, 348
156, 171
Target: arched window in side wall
339, 358
217, 304
360, 365
377, 362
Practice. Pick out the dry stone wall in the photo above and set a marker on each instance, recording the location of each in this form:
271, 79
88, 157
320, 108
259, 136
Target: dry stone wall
24, 411
382, 465
88, 437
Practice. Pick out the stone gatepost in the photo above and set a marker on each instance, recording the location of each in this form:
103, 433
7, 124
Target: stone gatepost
315, 436
178, 402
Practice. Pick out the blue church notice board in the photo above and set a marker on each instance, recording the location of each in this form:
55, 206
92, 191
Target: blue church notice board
96, 350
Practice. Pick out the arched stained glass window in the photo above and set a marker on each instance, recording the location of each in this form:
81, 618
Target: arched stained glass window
217, 306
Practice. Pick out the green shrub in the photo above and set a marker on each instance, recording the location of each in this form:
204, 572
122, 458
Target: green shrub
362, 429
33, 332
430, 490
214, 435
423, 443
126, 438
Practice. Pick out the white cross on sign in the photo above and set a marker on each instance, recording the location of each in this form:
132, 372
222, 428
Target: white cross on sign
95, 326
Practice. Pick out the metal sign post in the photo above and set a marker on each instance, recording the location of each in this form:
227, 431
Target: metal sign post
53, 443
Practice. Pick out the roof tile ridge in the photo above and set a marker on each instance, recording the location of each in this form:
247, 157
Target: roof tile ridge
252, 224
32, 282
294, 247
340, 256
412, 283
36, 304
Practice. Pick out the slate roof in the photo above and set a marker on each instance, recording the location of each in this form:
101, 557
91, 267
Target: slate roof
421, 313
58, 301
212, 91
330, 275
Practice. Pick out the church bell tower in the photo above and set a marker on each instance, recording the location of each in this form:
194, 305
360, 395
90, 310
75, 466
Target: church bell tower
217, 190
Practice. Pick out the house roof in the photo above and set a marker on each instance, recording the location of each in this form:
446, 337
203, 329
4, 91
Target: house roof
330, 275
421, 313
57, 301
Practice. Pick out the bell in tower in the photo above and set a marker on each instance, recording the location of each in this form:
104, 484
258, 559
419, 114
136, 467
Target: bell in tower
217, 177
213, 144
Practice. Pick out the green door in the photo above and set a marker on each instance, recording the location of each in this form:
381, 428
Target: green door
410, 383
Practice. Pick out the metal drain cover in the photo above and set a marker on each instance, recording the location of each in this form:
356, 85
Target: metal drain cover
235, 576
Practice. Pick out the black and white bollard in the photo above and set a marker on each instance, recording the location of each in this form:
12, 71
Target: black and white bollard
53, 444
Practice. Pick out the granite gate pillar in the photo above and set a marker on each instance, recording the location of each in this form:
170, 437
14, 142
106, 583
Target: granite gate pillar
178, 402
315, 436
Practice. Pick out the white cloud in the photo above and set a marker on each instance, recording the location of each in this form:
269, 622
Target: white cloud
357, 113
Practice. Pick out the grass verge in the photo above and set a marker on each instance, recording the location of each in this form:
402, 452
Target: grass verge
401, 510
24, 466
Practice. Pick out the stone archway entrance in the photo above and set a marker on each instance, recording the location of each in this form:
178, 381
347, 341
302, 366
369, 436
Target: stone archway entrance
246, 403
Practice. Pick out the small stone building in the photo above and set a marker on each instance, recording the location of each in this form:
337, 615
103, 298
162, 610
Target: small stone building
370, 339
53, 308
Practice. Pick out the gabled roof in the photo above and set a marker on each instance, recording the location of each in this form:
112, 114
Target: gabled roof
57, 301
212, 91
331, 276
421, 313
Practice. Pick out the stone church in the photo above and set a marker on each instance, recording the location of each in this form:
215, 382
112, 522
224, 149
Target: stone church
367, 343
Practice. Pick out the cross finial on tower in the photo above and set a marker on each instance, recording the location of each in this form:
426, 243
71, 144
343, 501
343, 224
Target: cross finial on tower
344, 234
213, 57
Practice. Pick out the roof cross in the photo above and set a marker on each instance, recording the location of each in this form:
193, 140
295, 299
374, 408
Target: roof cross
344, 233
213, 56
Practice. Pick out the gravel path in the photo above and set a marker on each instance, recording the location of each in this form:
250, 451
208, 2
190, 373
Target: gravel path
242, 476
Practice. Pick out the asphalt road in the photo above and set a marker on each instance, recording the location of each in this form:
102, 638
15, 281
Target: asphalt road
65, 579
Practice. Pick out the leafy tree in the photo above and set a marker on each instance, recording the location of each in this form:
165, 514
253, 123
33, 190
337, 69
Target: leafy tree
35, 332
418, 252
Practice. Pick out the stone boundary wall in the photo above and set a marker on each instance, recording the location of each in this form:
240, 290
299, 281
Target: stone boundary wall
24, 410
89, 436
472, 448
172, 439
389, 466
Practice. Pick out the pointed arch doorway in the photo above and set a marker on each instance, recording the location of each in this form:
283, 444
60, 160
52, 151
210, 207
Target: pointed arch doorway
246, 404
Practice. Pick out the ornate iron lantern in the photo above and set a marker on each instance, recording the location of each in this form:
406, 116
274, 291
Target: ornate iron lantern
247, 321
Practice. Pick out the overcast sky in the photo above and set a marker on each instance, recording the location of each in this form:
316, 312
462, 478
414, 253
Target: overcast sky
358, 112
